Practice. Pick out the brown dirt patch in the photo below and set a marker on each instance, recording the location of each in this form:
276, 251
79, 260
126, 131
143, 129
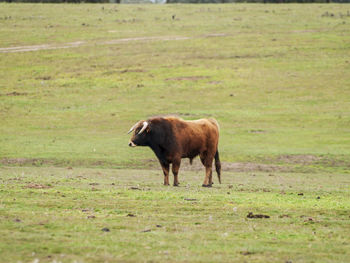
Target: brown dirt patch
298, 159
251, 215
282, 163
25, 161
109, 42
192, 78
15, 93
222, 57
154, 164
84, 43
237, 167
37, 186
216, 35
132, 70
284, 216
257, 131
43, 78
41, 47
215, 82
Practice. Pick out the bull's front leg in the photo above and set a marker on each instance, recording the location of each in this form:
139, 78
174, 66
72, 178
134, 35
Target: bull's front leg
165, 167
175, 168
163, 162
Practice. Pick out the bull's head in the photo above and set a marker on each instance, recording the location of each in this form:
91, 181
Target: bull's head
139, 138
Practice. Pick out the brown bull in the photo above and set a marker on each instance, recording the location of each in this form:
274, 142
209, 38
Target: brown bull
172, 138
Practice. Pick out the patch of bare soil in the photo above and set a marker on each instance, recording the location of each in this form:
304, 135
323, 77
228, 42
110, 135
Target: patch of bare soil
216, 35
215, 82
109, 42
251, 215
307, 31
257, 131
41, 47
15, 93
84, 43
37, 186
245, 56
154, 164
25, 161
247, 253
142, 39
43, 78
225, 166
188, 78
284, 216
282, 163
105, 229
298, 159
132, 70
237, 167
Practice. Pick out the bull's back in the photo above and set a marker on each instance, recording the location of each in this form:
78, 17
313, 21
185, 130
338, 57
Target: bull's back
196, 136
208, 127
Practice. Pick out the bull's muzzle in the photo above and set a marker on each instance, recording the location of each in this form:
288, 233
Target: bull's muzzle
132, 144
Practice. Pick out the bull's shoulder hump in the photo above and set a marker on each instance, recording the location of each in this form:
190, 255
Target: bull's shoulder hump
180, 122
210, 121
198, 121
172, 118
215, 122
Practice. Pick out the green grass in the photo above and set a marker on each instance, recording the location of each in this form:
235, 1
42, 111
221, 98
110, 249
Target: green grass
55, 223
280, 70
274, 76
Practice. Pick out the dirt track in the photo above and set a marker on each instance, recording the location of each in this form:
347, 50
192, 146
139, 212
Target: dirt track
283, 163
109, 42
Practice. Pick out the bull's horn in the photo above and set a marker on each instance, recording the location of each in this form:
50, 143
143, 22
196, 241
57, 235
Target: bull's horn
133, 127
145, 124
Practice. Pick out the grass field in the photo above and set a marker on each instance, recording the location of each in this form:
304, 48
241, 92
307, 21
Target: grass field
275, 78
50, 214
75, 78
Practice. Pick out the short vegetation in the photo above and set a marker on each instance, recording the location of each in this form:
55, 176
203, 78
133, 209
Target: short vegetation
75, 78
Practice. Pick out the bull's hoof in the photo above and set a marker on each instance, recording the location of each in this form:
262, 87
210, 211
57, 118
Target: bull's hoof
206, 185
166, 184
176, 184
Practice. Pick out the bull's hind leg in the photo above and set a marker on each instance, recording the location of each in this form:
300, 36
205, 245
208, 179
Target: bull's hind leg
175, 168
165, 168
211, 177
207, 162
207, 181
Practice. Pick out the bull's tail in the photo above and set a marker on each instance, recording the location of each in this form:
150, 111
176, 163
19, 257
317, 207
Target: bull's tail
218, 165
